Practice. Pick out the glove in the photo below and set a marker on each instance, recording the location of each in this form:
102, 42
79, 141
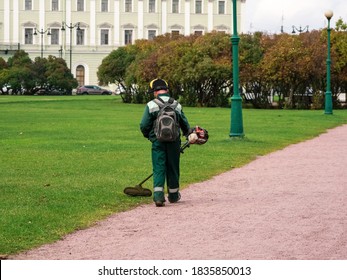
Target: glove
192, 138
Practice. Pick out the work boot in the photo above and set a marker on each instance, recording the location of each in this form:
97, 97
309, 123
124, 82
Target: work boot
174, 197
159, 199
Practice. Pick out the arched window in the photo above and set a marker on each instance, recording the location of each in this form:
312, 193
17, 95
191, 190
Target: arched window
80, 75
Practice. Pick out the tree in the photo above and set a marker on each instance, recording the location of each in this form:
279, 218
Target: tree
39, 68
286, 66
3, 76
113, 69
197, 68
256, 90
20, 75
340, 25
4, 79
210, 65
43, 75
59, 76
3, 64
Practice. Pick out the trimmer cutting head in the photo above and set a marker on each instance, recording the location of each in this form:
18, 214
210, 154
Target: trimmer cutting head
138, 190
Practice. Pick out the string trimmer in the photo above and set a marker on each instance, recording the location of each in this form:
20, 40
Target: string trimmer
138, 190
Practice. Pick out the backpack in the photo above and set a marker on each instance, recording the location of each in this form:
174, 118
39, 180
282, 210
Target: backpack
166, 127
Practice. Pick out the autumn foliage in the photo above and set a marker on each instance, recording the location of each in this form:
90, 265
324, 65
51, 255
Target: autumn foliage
283, 70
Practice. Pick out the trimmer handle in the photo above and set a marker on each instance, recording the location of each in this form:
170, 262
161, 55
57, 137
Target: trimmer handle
185, 145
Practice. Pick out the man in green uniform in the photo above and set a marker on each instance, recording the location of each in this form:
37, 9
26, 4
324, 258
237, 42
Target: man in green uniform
165, 155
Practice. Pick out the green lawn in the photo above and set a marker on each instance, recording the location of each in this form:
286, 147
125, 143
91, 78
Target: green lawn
65, 160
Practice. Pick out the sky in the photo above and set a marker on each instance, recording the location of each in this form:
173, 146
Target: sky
269, 15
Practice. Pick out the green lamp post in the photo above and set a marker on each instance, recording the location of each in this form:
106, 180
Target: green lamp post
71, 26
42, 32
236, 127
328, 97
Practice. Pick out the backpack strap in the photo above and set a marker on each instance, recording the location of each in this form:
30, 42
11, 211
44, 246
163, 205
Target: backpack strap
173, 103
171, 100
159, 102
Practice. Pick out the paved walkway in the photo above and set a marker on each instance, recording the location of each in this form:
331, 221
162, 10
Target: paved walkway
291, 204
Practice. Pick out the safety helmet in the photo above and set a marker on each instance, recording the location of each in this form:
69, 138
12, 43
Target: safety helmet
158, 84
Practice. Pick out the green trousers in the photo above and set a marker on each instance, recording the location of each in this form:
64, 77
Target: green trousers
166, 165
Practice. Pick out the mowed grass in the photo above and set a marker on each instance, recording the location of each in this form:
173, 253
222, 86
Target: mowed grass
65, 160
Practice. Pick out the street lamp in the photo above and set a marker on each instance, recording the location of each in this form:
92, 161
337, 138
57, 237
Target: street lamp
42, 32
328, 97
300, 30
236, 128
71, 26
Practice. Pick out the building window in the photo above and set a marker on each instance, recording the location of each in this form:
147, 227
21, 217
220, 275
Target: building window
28, 5
221, 7
198, 32
128, 37
104, 5
198, 6
128, 6
80, 5
80, 37
54, 36
104, 36
55, 5
151, 34
151, 6
175, 6
80, 73
28, 36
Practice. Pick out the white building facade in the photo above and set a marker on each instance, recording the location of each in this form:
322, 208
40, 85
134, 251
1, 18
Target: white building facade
83, 32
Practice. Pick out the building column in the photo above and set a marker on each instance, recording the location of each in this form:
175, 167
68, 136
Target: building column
163, 17
15, 22
41, 22
68, 21
7, 16
210, 15
92, 17
116, 23
242, 16
187, 18
140, 19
